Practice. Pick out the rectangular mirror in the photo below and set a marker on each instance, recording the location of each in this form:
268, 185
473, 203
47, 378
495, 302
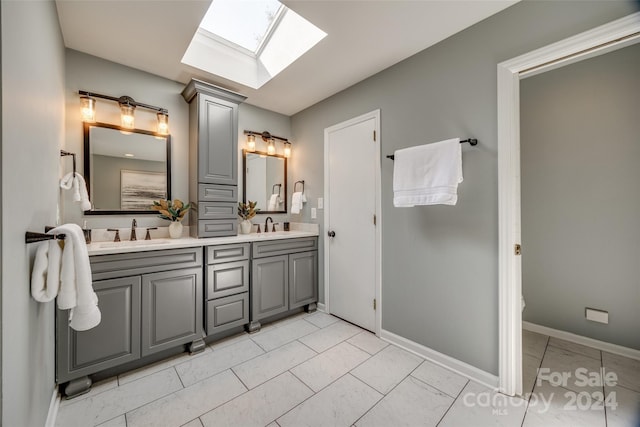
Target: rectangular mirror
265, 181
125, 170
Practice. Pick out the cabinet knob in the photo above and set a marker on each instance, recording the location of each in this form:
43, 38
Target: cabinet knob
331, 233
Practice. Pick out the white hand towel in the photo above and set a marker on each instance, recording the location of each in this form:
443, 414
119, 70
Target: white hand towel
296, 203
79, 189
273, 202
76, 291
428, 174
45, 275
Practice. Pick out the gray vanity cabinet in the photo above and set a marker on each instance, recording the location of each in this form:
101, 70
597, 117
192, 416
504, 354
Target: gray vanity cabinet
116, 340
149, 301
171, 310
284, 276
213, 158
227, 291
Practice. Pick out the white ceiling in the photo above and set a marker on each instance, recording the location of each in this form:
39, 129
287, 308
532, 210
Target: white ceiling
364, 37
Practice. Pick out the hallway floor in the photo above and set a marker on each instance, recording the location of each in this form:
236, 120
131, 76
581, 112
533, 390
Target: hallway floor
317, 370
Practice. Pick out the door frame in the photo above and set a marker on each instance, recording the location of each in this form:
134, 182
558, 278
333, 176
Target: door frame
608, 37
378, 212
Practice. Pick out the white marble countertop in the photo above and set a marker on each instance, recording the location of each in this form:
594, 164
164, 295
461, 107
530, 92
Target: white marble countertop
105, 248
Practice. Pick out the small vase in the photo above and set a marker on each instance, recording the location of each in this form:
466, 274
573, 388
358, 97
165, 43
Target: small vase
175, 230
245, 226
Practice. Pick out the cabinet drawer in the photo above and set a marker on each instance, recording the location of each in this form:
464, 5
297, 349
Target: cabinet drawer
217, 210
218, 193
136, 263
285, 246
226, 253
217, 227
226, 313
227, 279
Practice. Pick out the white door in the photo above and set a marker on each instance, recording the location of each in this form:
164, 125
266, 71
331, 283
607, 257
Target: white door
352, 176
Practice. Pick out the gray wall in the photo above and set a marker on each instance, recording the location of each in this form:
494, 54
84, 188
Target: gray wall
107, 187
439, 263
580, 202
86, 72
32, 133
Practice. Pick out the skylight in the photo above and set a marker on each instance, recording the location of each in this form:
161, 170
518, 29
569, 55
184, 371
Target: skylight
243, 22
250, 41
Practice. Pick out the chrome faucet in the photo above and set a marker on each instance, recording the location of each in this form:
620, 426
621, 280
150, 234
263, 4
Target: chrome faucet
134, 224
266, 224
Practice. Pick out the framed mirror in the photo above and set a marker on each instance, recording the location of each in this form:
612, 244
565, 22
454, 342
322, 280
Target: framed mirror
125, 170
265, 181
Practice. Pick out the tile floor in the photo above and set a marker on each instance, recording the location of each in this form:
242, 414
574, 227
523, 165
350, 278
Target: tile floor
317, 370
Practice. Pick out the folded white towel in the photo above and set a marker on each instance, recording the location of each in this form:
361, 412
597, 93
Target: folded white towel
428, 174
274, 201
76, 291
296, 202
45, 275
79, 189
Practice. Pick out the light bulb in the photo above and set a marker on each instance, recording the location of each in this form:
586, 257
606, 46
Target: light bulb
126, 116
287, 149
88, 109
271, 148
251, 142
163, 123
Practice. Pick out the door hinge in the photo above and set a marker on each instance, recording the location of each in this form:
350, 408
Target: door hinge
374, 136
374, 304
517, 249
374, 219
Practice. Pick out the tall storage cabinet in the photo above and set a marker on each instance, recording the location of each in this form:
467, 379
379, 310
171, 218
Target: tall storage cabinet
213, 159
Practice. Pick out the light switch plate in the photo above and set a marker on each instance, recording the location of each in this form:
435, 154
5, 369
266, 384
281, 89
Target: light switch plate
314, 213
320, 203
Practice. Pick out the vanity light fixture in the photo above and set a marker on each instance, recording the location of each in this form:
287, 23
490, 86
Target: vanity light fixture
251, 142
127, 109
88, 109
269, 140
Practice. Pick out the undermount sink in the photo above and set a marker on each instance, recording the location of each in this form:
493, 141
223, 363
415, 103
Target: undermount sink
130, 243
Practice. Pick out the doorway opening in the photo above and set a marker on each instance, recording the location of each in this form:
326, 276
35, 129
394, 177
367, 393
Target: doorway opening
615, 35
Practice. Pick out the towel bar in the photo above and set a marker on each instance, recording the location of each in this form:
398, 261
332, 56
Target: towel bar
273, 191
471, 141
31, 237
67, 153
300, 182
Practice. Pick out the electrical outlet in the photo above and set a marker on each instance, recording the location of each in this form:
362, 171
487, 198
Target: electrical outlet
314, 213
596, 315
320, 203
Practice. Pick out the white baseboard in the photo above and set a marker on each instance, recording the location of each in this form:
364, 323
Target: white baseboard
321, 307
455, 365
53, 408
579, 339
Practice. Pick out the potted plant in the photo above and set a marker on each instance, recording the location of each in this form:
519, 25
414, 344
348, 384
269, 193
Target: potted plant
246, 211
173, 211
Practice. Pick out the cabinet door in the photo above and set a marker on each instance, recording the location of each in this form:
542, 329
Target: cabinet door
171, 309
217, 141
303, 279
116, 340
270, 286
